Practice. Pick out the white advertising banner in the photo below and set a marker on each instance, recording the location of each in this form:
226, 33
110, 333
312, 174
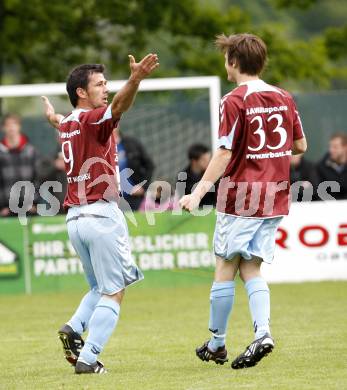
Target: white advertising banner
311, 244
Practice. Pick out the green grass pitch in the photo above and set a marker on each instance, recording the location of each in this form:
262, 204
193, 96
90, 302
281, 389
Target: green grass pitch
160, 326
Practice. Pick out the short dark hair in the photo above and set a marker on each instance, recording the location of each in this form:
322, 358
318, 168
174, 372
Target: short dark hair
195, 151
79, 78
247, 50
341, 135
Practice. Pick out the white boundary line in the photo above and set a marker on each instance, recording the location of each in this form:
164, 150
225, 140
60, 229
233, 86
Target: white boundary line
212, 83
26, 260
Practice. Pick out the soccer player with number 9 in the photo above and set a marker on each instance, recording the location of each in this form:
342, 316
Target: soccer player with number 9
96, 227
259, 130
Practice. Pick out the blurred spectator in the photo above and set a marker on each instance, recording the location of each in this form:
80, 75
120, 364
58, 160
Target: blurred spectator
199, 156
132, 155
157, 199
55, 171
303, 171
18, 161
333, 166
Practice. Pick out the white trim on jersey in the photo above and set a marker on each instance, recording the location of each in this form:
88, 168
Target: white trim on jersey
109, 146
254, 86
107, 115
74, 116
299, 119
225, 97
227, 140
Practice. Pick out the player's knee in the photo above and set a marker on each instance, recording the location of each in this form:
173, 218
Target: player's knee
222, 276
245, 275
226, 270
248, 271
118, 297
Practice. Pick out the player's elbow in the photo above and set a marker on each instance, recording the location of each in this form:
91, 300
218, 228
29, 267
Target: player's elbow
300, 146
222, 158
224, 153
117, 111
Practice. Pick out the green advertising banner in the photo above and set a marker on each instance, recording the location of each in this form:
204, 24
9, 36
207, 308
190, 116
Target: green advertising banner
172, 241
13, 258
54, 263
39, 257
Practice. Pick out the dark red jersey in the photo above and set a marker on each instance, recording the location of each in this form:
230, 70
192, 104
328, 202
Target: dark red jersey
89, 149
258, 123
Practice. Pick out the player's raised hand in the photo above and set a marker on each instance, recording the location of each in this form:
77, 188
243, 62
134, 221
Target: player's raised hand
142, 69
53, 118
189, 202
124, 98
48, 107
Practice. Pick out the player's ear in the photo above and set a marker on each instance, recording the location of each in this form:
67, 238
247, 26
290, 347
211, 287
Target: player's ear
232, 62
81, 93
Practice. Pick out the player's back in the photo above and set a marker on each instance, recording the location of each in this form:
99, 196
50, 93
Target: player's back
89, 154
260, 122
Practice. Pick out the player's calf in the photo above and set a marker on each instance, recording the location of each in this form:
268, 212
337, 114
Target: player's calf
205, 354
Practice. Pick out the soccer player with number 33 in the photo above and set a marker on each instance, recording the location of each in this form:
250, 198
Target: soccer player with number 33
259, 130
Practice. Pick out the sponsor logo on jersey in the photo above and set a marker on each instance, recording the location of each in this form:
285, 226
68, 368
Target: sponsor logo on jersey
70, 135
265, 110
261, 156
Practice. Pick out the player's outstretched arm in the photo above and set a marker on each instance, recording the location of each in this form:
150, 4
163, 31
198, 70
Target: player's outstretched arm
53, 118
214, 171
124, 98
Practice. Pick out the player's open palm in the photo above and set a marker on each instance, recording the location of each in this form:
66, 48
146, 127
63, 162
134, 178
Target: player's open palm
145, 67
48, 107
49, 110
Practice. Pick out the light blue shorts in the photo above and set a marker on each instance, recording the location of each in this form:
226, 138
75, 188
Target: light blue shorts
99, 234
247, 237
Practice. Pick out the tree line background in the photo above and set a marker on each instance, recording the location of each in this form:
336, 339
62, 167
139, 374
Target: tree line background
41, 41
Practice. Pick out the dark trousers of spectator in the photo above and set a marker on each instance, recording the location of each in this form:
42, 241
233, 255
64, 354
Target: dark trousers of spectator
134, 201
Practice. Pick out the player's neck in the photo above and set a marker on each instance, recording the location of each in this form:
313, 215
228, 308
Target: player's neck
243, 78
84, 106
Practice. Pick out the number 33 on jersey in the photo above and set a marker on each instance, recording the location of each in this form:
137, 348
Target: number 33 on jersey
259, 123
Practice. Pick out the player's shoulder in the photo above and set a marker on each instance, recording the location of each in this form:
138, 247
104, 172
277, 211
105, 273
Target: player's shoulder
283, 92
278, 94
235, 96
87, 115
73, 116
289, 99
96, 115
66, 121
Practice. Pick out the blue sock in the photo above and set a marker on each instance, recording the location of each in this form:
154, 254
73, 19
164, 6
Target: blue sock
259, 305
221, 303
79, 321
101, 326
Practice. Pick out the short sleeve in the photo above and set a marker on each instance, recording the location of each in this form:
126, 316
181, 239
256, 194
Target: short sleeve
102, 122
298, 131
229, 123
